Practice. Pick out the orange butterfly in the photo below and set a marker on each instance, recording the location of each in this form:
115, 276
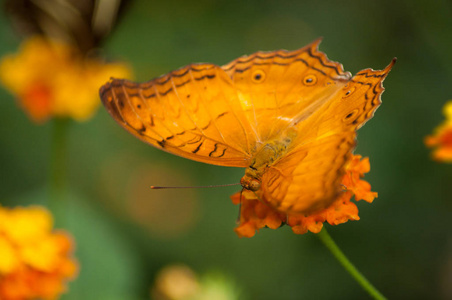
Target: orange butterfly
288, 117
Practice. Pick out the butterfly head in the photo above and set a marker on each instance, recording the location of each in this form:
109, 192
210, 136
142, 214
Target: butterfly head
250, 183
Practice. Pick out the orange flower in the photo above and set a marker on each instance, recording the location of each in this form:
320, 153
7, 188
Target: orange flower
35, 262
51, 78
356, 168
441, 141
255, 214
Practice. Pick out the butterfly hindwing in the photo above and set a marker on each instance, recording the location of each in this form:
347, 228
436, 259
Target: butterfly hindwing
308, 178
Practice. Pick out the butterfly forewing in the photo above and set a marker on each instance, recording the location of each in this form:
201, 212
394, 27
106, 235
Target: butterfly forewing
350, 107
276, 87
193, 112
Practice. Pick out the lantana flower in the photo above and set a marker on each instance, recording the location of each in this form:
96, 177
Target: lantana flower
53, 79
35, 261
441, 140
255, 214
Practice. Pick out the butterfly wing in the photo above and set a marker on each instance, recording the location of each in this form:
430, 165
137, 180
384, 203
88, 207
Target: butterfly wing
309, 177
193, 112
356, 103
221, 115
276, 87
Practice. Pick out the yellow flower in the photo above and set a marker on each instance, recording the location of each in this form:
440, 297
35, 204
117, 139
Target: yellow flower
255, 214
51, 78
35, 262
175, 282
179, 282
441, 141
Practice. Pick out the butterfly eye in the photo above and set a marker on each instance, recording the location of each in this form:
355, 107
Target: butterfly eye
255, 185
258, 76
310, 80
349, 92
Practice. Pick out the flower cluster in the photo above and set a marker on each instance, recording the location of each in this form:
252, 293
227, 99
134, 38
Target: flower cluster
51, 78
35, 262
442, 138
256, 214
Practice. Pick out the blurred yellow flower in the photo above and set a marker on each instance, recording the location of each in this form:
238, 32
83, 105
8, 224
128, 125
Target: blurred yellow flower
175, 282
441, 140
179, 282
35, 262
51, 78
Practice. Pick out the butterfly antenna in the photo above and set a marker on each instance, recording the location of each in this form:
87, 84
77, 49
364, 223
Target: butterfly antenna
240, 208
192, 187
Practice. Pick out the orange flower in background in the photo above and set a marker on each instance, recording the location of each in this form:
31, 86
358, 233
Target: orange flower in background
441, 140
35, 262
53, 79
255, 214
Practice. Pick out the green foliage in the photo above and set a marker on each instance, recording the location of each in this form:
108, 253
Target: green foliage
401, 243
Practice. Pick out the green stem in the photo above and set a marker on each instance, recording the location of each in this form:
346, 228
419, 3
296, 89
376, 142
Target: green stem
343, 260
58, 163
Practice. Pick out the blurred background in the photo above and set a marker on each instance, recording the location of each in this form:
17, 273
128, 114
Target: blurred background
126, 233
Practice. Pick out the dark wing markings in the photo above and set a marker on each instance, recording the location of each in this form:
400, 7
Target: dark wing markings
205, 76
166, 92
214, 149
183, 83
197, 148
195, 140
319, 58
251, 57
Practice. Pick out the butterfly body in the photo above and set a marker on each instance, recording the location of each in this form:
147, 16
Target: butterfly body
289, 117
266, 156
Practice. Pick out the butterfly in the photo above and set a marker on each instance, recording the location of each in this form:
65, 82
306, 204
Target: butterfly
289, 117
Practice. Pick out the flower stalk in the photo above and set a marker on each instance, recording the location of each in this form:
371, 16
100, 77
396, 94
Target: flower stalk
348, 266
58, 163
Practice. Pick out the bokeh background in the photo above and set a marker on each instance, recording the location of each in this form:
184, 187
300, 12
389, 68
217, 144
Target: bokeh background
125, 232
